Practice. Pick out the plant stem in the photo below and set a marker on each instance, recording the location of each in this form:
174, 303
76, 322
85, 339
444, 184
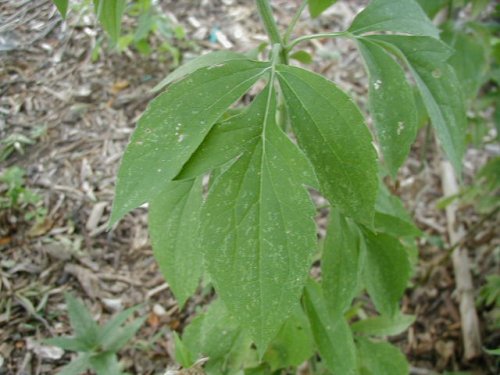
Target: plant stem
296, 17
304, 38
271, 27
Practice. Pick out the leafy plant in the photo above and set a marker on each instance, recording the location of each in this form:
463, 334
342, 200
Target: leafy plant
97, 346
254, 232
17, 197
148, 20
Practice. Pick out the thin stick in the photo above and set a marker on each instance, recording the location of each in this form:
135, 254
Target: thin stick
461, 268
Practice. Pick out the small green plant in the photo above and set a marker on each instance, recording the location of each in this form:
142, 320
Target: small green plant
15, 196
97, 346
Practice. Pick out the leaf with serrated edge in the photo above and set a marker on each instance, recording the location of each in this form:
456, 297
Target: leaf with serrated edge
173, 127
203, 61
174, 216
226, 141
380, 358
258, 229
340, 264
392, 104
399, 16
332, 335
439, 87
331, 131
386, 270
316, 7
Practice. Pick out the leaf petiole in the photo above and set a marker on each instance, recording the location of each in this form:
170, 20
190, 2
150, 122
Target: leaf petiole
304, 38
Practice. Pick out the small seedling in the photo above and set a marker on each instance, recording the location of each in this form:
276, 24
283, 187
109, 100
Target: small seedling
97, 345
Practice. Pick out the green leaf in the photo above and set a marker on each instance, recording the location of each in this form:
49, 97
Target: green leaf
495, 352
62, 6
331, 131
117, 340
173, 127
332, 335
399, 16
182, 354
469, 59
432, 7
380, 358
392, 104
81, 320
340, 263
294, 343
208, 60
258, 228
383, 325
316, 7
391, 216
227, 140
69, 343
77, 366
439, 87
217, 335
386, 271
112, 326
110, 13
105, 364
174, 218
302, 56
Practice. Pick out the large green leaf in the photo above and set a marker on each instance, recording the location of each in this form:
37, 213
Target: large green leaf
62, 6
258, 232
340, 264
331, 131
332, 335
380, 358
227, 140
174, 217
440, 89
294, 343
399, 16
203, 61
316, 7
392, 104
217, 335
110, 13
386, 270
173, 127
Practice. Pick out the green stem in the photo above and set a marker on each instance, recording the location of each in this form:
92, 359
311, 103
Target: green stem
304, 38
296, 17
270, 25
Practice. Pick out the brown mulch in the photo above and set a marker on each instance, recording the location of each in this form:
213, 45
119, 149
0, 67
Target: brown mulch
85, 111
